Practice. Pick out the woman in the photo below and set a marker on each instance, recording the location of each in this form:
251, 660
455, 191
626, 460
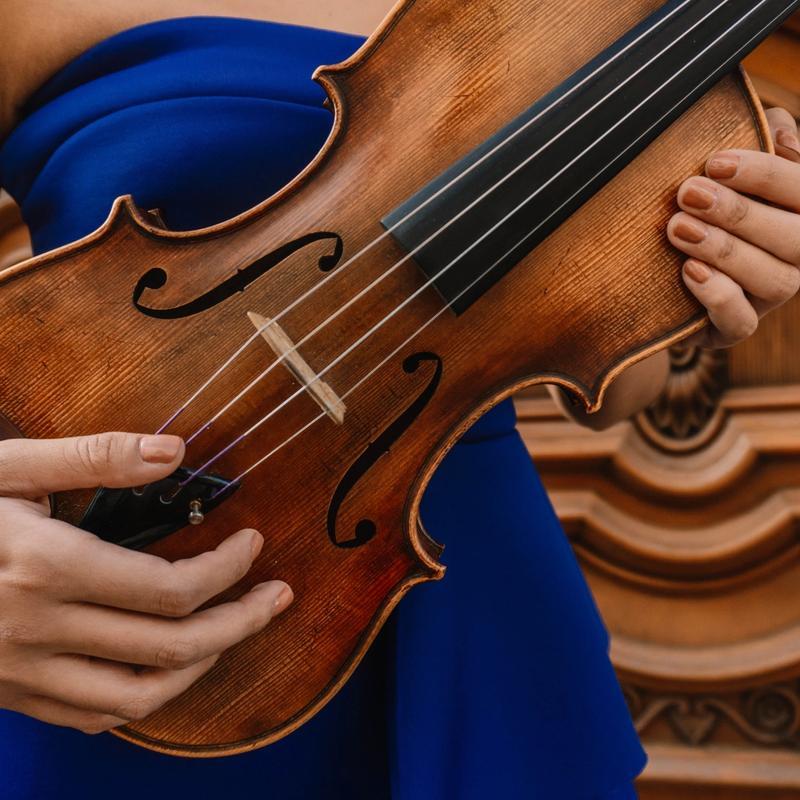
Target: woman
202, 117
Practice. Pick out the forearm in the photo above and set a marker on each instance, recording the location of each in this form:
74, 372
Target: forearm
633, 390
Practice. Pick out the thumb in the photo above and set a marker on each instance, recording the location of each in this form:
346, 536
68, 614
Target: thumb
37, 467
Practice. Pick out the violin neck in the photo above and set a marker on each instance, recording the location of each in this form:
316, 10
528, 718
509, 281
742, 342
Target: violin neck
477, 220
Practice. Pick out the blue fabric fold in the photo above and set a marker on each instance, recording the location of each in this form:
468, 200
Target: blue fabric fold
495, 681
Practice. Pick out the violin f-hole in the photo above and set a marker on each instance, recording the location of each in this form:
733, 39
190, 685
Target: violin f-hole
156, 278
366, 529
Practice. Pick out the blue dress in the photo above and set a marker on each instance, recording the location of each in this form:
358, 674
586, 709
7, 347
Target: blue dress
494, 682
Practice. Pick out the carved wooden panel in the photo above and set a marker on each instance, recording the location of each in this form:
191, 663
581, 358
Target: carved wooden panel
686, 521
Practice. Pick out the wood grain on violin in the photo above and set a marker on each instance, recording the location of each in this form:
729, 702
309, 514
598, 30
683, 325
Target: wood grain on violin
120, 329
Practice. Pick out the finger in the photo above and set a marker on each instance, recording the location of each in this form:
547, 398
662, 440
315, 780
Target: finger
167, 643
732, 316
93, 571
33, 468
783, 127
766, 176
54, 712
759, 273
115, 689
772, 229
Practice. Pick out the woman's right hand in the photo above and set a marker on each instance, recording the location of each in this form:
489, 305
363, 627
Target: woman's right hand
93, 635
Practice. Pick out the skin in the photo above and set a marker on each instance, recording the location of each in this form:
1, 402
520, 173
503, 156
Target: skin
92, 635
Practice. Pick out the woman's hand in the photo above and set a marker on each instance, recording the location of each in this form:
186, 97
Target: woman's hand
93, 635
740, 226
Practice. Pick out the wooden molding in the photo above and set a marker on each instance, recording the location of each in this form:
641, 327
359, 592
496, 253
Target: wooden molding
728, 767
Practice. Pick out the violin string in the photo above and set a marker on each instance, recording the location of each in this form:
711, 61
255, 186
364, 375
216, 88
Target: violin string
303, 297
488, 270
211, 380
352, 389
406, 258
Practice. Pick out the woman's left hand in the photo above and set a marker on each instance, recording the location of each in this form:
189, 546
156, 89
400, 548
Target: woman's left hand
743, 252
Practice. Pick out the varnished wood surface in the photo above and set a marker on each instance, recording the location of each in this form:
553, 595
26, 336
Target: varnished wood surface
606, 277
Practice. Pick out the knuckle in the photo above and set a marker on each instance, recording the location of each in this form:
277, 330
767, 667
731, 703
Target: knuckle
96, 725
28, 564
178, 654
787, 287
746, 327
240, 566
258, 616
93, 453
177, 599
767, 173
738, 210
782, 118
136, 707
25, 576
16, 632
723, 298
9, 462
726, 247
794, 283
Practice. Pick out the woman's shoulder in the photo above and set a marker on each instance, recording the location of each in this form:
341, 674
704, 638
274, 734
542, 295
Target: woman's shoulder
38, 37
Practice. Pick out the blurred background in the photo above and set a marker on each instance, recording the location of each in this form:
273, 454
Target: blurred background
686, 521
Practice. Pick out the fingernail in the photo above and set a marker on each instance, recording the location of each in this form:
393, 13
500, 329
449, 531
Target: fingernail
161, 449
282, 601
699, 198
256, 543
723, 167
697, 271
788, 140
691, 231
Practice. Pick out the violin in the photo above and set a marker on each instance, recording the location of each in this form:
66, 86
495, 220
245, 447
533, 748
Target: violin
467, 230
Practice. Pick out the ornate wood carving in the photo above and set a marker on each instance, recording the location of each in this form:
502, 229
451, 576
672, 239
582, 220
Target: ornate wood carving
768, 716
688, 414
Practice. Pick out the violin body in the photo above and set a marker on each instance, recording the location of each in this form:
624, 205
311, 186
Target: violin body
116, 331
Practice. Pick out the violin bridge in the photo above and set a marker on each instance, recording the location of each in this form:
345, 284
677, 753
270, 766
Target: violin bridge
284, 348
